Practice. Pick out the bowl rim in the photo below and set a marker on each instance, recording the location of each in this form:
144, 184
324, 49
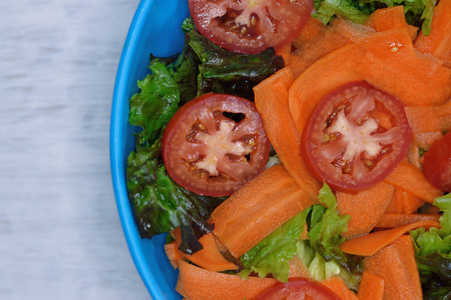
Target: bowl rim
117, 155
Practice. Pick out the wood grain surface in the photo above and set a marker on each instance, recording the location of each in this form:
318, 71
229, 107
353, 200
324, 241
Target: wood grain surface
60, 234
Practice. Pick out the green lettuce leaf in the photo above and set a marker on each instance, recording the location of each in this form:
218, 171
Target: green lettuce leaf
418, 12
152, 108
161, 205
325, 238
273, 253
320, 254
433, 249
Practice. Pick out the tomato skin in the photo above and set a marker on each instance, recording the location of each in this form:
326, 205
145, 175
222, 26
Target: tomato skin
207, 152
298, 287
437, 163
250, 26
356, 137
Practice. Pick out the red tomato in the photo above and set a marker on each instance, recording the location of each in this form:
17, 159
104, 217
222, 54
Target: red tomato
356, 136
214, 144
298, 288
250, 26
437, 163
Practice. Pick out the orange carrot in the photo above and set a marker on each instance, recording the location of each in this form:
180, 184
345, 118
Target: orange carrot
367, 245
209, 257
393, 205
392, 17
410, 203
258, 208
337, 285
173, 253
364, 207
414, 79
411, 179
371, 287
438, 42
398, 220
339, 67
197, 283
393, 65
285, 52
422, 118
388, 18
314, 42
271, 99
397, 266
399, 193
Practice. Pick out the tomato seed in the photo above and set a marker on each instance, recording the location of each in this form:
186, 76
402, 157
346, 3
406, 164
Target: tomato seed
326, 138
202, 126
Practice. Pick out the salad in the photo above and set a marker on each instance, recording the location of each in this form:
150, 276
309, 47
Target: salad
300, 149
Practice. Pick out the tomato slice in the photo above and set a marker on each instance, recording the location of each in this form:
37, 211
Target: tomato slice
298, 288
356, 136
250, 26
214, 144
437, 163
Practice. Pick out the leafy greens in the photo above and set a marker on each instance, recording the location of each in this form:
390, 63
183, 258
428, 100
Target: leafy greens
417, 11
159, 203
320, 253
433, 253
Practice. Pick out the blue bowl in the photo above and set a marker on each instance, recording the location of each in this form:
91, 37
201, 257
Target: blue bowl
155, 30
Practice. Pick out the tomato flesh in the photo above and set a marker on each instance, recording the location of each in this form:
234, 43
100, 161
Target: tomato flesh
250, 26
298, 288
437, 163
356, 136
214, 144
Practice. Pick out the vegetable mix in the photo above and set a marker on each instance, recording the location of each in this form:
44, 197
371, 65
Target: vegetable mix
368, 83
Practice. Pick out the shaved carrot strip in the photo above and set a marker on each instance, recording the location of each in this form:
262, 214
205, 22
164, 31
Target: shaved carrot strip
337, 285
173, 253
339, 67
410, 203
209, 257
388, 18
271, 100
371, 287
285, 52
392, 17
411, 179
258, 208
364, 207
438, 42
398, 220
197, 283
369, 244
314, 42
414, 79
392, 206
397, 266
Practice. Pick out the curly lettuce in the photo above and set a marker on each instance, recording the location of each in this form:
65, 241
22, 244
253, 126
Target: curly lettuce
320, 252
159, 203
418, 12
433, 252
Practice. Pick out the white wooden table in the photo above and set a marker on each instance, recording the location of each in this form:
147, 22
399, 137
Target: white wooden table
60, 234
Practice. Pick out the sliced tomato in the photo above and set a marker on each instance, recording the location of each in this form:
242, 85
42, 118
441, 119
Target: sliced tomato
214, 144
356, 136
298, 288
250, 26
437, 163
